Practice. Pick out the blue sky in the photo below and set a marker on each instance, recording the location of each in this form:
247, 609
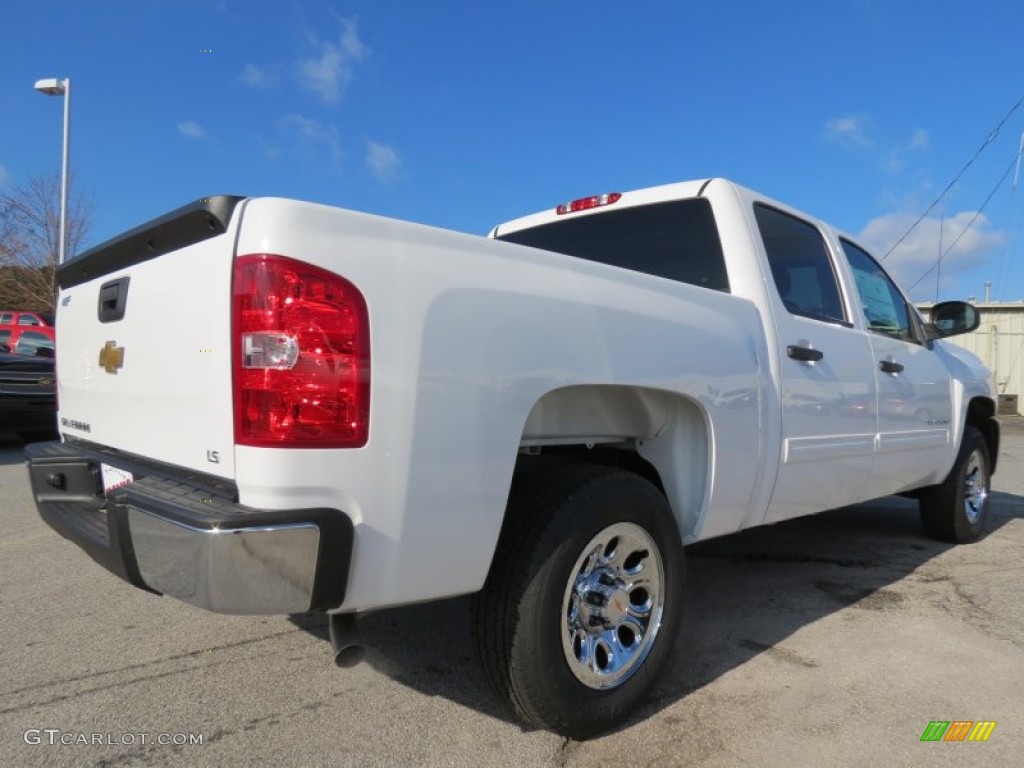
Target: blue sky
464, 114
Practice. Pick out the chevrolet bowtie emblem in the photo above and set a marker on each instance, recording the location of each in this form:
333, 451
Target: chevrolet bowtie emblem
111, 357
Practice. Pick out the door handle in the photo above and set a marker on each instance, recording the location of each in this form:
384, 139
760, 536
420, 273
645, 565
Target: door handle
890, 366
112, 300
804, 354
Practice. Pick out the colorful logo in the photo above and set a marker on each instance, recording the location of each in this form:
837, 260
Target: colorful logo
958, 730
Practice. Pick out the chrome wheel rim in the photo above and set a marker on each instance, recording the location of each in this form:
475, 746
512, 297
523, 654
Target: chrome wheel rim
975, 487
612, 606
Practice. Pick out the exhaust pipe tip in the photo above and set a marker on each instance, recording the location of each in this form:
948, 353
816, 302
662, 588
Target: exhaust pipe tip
348, 647
349, 655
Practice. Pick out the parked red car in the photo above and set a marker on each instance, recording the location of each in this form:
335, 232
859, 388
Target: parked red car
27, 333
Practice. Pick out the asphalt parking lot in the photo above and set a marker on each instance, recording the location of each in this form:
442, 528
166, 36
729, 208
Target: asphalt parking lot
827, 641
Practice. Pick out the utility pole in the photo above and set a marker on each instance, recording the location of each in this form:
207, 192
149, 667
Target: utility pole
61, 86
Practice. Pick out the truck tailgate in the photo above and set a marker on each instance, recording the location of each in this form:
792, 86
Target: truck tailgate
143, 340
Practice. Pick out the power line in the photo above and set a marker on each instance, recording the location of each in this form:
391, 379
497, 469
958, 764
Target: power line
970, 224
1009, 245
989, 139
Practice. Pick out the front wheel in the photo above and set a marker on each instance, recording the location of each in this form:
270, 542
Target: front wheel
583, 601
957, 509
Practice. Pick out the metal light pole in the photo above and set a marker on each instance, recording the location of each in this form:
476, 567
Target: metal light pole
56, 86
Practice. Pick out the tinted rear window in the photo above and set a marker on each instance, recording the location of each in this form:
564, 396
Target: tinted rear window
677, 240
800, 264
31, 341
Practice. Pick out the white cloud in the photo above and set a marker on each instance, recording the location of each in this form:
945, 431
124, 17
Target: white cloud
854, 132
270, 149
190, 129
317, 142
382, 160
898, 157
5, 176
849, 131
329, 70
919, 141
920, 251
255, 77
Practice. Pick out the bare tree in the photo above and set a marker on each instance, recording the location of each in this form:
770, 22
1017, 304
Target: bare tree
30, 240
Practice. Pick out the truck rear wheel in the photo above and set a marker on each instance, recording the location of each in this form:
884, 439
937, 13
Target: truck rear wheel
583, 601
956, 510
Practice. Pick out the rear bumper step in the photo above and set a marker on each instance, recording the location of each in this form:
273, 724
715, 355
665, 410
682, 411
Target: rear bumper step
174, 536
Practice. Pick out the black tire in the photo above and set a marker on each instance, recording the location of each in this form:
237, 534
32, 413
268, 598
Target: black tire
533, 596
956, 510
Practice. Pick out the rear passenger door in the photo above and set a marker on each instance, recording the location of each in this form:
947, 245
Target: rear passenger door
827, 376
915, 405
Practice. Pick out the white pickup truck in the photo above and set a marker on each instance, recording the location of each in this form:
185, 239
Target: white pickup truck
271, 406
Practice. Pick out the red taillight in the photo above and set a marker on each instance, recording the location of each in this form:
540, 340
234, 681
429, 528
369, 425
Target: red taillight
301, 356
595, 201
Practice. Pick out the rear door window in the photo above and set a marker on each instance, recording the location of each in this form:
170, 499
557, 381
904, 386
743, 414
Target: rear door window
6, 318
800, 265
677, 240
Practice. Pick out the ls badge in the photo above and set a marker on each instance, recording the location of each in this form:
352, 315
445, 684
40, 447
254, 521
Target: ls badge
111, 357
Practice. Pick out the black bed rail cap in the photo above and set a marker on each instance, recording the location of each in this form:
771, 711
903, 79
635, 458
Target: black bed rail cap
192, 223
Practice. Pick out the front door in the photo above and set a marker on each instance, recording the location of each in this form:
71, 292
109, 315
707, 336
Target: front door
915, 405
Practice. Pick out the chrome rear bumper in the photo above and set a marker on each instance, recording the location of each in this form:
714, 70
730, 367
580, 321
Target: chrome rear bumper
189, 539
241, 570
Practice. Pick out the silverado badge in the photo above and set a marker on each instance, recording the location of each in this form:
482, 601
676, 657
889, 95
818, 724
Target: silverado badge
111, 357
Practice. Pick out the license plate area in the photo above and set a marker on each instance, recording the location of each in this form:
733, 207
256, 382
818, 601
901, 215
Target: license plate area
74, 479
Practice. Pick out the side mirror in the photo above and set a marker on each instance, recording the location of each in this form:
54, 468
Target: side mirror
951, 318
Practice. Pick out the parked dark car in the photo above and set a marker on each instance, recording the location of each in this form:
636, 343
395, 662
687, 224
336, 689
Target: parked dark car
28, 400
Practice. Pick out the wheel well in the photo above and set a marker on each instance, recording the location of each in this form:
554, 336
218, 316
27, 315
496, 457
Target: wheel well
981, 414
661, 436
617, 456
